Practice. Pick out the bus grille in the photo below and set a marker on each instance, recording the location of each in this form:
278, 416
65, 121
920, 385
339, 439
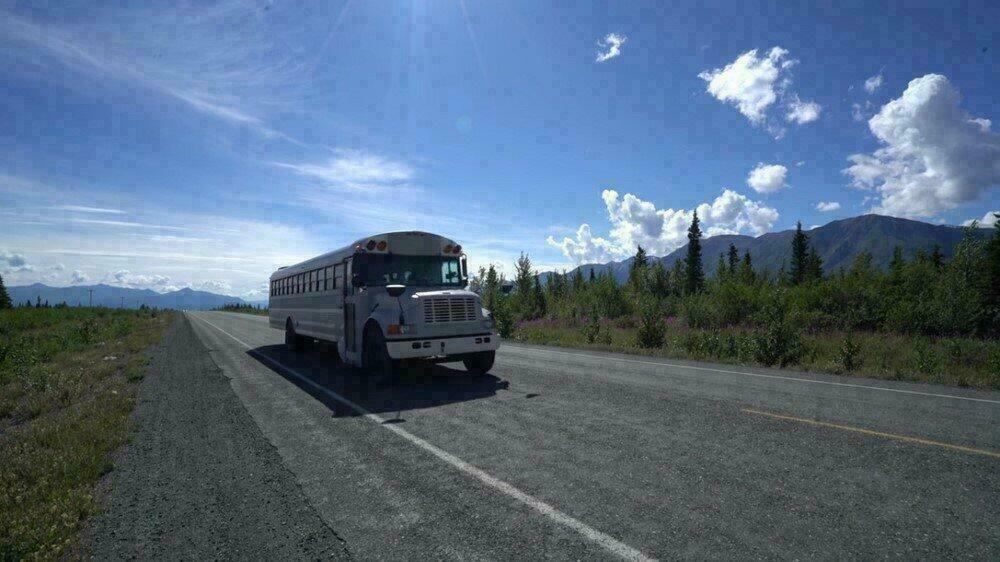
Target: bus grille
445, 309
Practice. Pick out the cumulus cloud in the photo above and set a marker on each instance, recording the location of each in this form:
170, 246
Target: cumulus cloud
613, 42
750, 83
988, 221
802, 112
753, 84
660, 231
767, 178
873, 83
126, 278
78, 277
586, 248
215, 286
935, 155
11, 262
827, 207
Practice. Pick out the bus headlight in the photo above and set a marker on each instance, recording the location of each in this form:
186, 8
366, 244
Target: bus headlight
487, 321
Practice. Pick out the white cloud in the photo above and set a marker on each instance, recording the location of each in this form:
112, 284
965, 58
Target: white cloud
660, 231
586, 248
935, 156
988, 221
215, 286
873, 83
827, 207
81, 209
78, 277
767, 178
57, 267
126, 278
753, 84
13, 263
802, 112
613, 42
750, 83
126, 224
356, 170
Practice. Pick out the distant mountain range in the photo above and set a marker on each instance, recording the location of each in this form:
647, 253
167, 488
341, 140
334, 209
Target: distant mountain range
114, 297
837, 243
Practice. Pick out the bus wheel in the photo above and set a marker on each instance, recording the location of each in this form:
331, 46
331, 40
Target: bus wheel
376, 358
480, 363
293, 342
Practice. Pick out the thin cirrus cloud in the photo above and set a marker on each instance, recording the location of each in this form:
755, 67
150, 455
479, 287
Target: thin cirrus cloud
767, 178
83, 209
635, 222
755, 83
203, 93
613, 43
355, 170
934, 155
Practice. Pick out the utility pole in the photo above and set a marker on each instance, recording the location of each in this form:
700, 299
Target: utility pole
123, 302
91, 291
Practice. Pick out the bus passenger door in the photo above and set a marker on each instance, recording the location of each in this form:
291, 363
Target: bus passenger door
350, 337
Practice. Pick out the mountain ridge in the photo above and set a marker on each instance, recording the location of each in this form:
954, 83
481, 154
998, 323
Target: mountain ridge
837, 242
114, 297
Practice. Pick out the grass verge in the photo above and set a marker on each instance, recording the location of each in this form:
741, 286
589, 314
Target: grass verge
68, 379
964, 362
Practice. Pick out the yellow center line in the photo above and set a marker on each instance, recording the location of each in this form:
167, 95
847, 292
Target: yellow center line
904, 438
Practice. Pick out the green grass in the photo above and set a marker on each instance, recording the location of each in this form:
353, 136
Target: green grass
67, 388
965, 362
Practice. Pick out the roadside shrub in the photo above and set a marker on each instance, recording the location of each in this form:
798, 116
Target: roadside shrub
778, 342
697, 311
652, 329
590, 330
503, 320
849, 352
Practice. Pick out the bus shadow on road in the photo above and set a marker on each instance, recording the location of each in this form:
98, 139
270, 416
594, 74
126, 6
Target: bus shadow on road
416, 386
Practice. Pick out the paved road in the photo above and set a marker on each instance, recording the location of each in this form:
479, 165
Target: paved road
582, 455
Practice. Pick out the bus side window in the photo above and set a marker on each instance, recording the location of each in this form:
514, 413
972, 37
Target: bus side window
338, 276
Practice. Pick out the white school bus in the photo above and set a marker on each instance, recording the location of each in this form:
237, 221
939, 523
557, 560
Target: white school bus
383, 299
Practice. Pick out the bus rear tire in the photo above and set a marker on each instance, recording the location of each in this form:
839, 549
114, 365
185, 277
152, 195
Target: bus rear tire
480, 363
293, 341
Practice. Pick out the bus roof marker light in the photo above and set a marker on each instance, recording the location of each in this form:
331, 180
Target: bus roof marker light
447, 249
382, 245
457, 249
371, 245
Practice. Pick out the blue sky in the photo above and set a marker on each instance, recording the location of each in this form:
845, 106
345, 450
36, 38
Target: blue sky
205, 144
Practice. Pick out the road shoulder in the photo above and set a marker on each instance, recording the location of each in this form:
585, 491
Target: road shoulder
199, 479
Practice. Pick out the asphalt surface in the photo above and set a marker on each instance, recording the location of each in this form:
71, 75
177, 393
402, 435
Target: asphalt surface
578, 455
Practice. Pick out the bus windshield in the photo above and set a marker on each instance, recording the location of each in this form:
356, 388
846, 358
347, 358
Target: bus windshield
391, 269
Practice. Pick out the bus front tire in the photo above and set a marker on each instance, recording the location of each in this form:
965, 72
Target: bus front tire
480, 363
376, 359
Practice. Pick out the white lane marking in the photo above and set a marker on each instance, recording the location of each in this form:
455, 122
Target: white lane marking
761, 375
607, 542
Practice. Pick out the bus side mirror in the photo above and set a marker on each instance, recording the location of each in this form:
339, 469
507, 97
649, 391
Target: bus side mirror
357, 281
395, 290
465, 269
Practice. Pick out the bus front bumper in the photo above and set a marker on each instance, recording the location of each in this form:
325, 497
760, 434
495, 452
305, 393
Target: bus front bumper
411, 348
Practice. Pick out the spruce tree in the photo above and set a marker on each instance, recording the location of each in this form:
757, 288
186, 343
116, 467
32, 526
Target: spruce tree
814, 265
936, 257
592, 278
578, 279
539, 301
695, 273
991, 296
734, 259
637, 273
800, 256
4, 296
746, 269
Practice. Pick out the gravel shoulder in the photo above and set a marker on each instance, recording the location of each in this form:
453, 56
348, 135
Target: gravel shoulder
199, 480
